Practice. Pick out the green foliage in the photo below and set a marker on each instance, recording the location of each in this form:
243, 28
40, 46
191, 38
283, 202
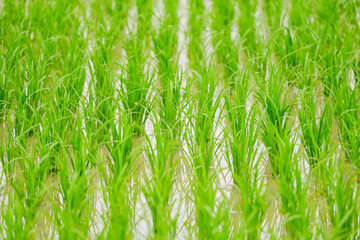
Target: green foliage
106, 127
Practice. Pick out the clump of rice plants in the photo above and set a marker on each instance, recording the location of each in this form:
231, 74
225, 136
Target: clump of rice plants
315, 131
272, 96
241, 154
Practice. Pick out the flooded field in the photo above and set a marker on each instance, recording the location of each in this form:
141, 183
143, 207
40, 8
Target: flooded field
179, 119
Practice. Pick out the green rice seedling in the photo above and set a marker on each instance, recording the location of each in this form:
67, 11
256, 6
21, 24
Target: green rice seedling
158, 188
290, 49
28, 92
46, 32
42, 71
196, 23
165, 42
70, 58
97, 133
117, 176
110, 19
301, 44
144, 15
121, 145
54, 24
293, 190
284, 43
252, 206
35, 172
329, 14
304, 38
121, 214
315, 131
69, 83
355, 66
274, 17
4, 96
276, 123
25, 191
122, 8
238, 117
57, 117
273, 10
332, 77
348, 12
347, 111
10, 55
12, 148
223, 15
222, 19
212, 214
171, 8
246, 177
65, 89
104, 80
72, 214
12, 218
7, 147
231, 63
291, 60
165, 49
289, 42
103, 63
135, 84
304, 76
334, 51
106, 37
298, 19
202, 150
12, 13
247, 26
83, 149
47, 21
26, 61
226, 50
170, 112
167, 130
241, 149
51, 133
202, 146
12, 215
342, 199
